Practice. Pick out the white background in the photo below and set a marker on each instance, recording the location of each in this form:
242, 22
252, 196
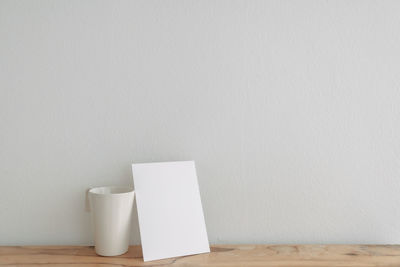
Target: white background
291, 110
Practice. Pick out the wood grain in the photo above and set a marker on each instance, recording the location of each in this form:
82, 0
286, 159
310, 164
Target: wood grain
220, 256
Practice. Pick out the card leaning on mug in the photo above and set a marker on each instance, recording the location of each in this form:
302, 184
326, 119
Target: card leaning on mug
111, 209
171, 220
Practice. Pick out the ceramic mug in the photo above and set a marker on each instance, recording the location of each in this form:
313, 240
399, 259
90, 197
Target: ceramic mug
111, 208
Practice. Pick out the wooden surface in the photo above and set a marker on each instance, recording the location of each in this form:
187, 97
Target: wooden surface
221, 255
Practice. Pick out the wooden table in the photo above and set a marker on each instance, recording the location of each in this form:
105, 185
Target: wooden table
221, 255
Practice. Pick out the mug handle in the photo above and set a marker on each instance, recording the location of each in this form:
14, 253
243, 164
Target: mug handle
87, 202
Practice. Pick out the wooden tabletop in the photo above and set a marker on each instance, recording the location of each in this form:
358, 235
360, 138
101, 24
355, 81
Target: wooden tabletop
221, 255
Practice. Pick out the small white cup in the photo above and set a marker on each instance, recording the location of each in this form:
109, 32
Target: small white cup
111, 209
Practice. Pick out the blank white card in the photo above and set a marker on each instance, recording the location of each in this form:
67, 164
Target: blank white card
171, 219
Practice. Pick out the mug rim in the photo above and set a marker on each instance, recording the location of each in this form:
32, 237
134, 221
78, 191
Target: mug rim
126, 190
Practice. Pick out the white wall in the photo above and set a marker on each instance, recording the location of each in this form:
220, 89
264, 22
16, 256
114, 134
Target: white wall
290, 109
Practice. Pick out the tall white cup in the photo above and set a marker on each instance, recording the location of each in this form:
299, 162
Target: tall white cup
111, 209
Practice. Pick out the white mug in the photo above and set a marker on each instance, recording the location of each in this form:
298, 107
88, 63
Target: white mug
111, 209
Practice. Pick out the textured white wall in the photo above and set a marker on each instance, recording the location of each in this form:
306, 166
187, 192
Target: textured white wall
291, 110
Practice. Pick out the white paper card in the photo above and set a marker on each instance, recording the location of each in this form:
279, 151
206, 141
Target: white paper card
171, 219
